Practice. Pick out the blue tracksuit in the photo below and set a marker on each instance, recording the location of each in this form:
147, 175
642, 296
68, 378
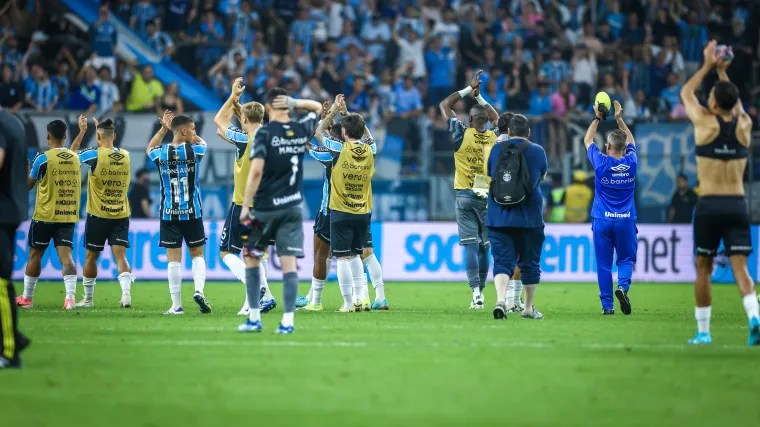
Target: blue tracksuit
614, 219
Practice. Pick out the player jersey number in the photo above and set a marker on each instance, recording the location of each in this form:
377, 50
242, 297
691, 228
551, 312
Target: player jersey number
294, 161
177, 185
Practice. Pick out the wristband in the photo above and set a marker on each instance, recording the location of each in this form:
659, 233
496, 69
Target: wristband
595, 119
291, 103
480, 100
464, 92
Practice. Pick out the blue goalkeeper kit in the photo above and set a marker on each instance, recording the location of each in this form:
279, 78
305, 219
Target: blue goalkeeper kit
614, 219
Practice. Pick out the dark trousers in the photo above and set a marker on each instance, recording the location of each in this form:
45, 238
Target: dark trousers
11, 341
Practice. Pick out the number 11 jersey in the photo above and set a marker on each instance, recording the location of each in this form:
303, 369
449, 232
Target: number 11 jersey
180, 187
282, 146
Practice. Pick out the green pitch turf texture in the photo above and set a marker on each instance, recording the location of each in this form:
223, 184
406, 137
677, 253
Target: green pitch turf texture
430, 361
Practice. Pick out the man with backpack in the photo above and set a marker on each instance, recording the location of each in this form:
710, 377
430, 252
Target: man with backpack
515, 218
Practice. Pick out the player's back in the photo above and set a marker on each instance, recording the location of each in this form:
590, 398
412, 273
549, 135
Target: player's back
614, 184
108, 184
178, 166
14, 194
282, 146
59, 186
722, 149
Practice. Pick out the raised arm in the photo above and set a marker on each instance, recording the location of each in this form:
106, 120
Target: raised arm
591, 132
688, 96
327, 121
166, 122
301, 104
446, 106
223, 119
621, 124
82, 122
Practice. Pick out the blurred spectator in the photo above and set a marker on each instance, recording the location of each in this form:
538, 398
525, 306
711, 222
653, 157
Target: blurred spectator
176, 15
693, 36
146, 91
615, 19
302, 29
494, 95
540, 102
609, 85
142, 12
563, 101
658, 74
139, 195
555, 71
376, 34
11, 53
633, 33
104, 38
411, 51
41, 93
339, 13
585, 73
407, 107
441, 63
158, 40
11, 93
448, 29
314, 90
670, 97
562, 104
681, 209
673, 56
357, 98
212, 31
246, 23
590, 41
348, 38
86, 96
410, 20
663, 26
110, 98
171, 100
634, 106
62, 82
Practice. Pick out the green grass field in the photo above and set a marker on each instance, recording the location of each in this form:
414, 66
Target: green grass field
429, 361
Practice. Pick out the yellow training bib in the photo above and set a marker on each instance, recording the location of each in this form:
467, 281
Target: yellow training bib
351, 189
240, 174
468, 160
109, 184
59, 190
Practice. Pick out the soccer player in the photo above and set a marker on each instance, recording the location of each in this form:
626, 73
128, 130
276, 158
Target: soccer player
181, 206
13, 204
470, 182
251, 117
275, 185
613, 214
722, 136
56, 211
107, 211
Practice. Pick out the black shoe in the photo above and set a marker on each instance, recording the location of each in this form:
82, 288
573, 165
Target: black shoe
499, 312
22, 342
609, 312
625, 303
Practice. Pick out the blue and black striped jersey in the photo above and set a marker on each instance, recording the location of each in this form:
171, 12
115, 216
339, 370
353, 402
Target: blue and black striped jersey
178, 166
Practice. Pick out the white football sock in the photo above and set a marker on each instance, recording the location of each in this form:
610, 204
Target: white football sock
175, 283
317, 286
236, 266
511, 293
328, 264
264, 264
345, 281
518, 291
703, 314
476, 292
199, 273
357, 272
29, 284
254, 314
287, 319
89, 287
125, 281
751, 305
70, 282
376, 274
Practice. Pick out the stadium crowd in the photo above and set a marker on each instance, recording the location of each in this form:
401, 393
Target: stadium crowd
394, 59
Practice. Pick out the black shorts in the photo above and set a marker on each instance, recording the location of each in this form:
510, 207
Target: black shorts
724, 218
322, 226
173, 232
282, 228
348, 234
7, 249
232, 241
98, 230
40, 234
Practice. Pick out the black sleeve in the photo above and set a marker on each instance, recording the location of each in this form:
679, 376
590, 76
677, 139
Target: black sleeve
259, 150
310, 122
673, 200
3, 142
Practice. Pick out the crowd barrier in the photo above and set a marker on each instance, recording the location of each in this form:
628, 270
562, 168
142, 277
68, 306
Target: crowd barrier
420, 251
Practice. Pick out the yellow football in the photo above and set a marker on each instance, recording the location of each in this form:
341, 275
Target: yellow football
604, 99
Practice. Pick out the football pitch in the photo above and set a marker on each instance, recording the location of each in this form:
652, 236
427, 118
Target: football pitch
429, 361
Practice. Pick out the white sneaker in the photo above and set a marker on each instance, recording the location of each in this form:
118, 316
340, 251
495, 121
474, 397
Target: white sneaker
175, 310
244, 311
126, 301
477, 302
535, 314
85, 303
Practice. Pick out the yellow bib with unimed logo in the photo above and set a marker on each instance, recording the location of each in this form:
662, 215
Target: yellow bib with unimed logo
351, 189
240, 174
108, 185
59, 191
468, 160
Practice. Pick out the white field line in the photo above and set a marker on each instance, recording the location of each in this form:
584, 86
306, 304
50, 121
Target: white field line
253, 342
